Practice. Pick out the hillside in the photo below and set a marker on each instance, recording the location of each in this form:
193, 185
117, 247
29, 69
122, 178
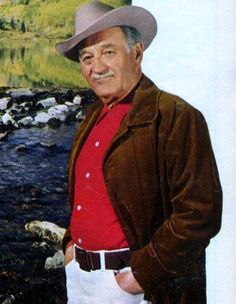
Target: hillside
41, 18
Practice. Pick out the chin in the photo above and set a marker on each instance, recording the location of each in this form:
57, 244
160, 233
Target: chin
103, 92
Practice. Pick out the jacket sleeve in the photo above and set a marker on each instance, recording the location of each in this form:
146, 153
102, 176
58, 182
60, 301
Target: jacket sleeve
194, 196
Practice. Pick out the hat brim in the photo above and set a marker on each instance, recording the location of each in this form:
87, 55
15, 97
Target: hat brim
132, 16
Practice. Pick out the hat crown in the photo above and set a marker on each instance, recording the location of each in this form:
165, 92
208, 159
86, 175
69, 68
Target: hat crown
88, 14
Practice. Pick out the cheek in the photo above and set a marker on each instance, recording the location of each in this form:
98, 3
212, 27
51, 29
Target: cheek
84, 71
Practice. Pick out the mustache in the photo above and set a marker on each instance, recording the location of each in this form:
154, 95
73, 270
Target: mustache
102, 76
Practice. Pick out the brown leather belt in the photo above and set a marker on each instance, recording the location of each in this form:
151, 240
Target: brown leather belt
89, 260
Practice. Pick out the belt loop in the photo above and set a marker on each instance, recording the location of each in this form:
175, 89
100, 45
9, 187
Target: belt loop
102, 261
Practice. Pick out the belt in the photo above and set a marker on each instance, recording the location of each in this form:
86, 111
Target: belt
114, 260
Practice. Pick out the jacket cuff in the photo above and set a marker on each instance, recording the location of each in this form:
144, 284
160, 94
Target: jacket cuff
149, 270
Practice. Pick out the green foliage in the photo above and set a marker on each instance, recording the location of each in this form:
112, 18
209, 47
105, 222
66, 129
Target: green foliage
50, 19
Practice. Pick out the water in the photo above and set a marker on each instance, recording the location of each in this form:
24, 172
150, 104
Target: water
36, 64
33, 186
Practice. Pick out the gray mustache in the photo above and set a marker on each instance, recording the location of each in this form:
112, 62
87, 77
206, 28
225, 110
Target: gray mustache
102, 76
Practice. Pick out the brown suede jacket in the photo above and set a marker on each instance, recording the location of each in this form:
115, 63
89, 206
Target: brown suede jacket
162, 179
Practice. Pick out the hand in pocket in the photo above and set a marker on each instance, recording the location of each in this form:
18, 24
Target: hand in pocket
128, 283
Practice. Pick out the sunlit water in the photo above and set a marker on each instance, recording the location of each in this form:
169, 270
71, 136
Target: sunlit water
36, 64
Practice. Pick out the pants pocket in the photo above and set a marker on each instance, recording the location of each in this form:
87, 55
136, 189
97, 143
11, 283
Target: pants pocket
134, 298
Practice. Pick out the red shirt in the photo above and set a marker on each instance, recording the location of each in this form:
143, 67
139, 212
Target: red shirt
94, 224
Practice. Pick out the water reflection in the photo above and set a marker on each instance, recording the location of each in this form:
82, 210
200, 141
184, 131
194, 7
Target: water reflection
36, 64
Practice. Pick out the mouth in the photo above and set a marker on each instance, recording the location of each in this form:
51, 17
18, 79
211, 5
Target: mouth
100, 77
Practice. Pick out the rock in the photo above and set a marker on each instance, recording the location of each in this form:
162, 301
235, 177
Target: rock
54, 123
43, 245
8, 120
25, 106
46, 230
9, 300
21, 147
14, 110
57, 261
3, 135
4, 103
26, 121
59, 111
48, 144
16, 93
42, 118
77, 100
46, 103
71, 106
70, 119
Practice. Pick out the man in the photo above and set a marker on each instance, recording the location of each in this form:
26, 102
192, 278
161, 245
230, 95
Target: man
143, 183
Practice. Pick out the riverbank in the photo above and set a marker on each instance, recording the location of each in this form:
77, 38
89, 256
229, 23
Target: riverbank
33, 186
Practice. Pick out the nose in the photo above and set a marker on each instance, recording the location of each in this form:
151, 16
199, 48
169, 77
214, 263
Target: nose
99, 66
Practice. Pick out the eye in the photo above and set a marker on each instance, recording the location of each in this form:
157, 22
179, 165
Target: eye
86, 58
109, 53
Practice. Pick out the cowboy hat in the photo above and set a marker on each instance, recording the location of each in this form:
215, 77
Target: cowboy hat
97, 16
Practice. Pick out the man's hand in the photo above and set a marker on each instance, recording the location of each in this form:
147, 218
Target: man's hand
68, 254
128, 283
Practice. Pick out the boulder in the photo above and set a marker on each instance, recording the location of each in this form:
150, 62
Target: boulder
77, 100
3, 135
7, 119
21, 147
54, 123
59, 112
48, 144
25, 106
46, 230
9, 300
57, 261
71, 106
26, 121
42, 118
46, 103
16, 93
4, 103
14, 110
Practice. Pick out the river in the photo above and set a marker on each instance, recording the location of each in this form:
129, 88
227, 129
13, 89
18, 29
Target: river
33, 186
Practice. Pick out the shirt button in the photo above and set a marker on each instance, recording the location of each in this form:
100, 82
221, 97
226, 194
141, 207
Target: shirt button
87, 175
97, 144
79, 207
79, 240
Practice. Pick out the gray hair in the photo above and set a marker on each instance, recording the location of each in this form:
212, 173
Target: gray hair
131, 34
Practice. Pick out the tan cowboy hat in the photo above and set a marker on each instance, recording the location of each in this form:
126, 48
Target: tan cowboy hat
97, 16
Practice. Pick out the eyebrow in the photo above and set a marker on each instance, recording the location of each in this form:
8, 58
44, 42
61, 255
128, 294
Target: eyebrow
104, 46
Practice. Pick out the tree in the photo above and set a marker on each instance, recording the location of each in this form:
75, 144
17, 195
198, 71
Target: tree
13, 23
23, 26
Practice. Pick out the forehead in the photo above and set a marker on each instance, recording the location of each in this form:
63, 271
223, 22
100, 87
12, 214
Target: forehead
113, 35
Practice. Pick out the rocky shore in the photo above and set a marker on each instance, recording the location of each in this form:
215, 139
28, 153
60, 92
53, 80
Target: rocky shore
36, 131
25, 108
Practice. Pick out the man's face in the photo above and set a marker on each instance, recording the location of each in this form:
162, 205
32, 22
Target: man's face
110, 68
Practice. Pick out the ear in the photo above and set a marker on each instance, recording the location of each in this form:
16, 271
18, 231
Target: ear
138, 48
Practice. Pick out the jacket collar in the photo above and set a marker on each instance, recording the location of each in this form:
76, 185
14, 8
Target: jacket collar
144, 99
144, 104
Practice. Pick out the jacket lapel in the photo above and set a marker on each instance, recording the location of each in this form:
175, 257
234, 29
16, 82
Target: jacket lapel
144, 110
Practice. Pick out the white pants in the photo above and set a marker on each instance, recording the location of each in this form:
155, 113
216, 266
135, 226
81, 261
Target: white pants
96, 287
